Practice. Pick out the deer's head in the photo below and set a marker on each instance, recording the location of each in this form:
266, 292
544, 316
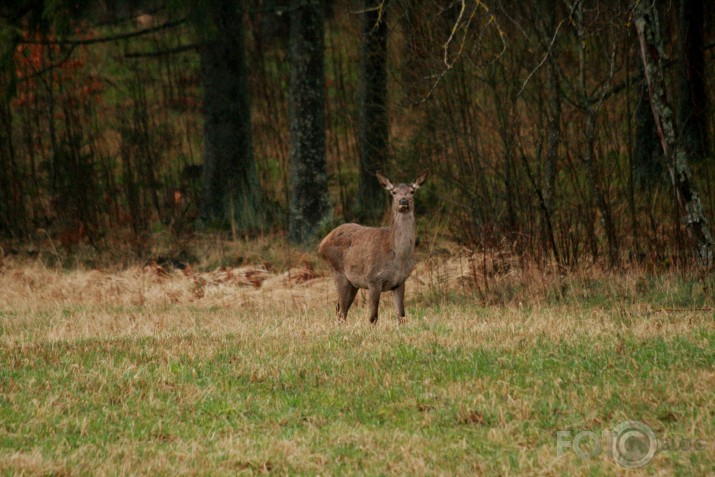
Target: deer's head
402, 194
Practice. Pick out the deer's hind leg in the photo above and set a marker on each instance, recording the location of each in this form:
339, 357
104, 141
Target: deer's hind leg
346, 295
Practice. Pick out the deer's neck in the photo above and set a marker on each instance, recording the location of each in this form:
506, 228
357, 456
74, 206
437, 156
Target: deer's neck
402, 233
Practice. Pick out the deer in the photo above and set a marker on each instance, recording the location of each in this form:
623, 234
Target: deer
375, 259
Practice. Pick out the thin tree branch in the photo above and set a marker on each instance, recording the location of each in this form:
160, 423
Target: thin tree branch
132, 16
49, 67
158, 53
106, 39
548, 48
455, 27
445, 47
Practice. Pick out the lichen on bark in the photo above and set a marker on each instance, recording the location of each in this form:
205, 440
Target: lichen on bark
309, 204
676, 157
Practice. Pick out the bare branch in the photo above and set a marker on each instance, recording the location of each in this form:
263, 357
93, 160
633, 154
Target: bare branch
49, 67
158, 53
549, 48
464, 25
455, 27
106, 39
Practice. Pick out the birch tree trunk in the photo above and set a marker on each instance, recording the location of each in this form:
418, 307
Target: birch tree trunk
676, 157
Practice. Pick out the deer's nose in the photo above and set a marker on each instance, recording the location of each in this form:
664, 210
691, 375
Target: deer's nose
404, 202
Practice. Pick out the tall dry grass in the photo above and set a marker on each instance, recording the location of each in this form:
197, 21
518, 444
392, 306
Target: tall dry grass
256, 280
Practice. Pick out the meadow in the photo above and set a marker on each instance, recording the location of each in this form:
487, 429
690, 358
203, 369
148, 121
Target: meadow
241, 368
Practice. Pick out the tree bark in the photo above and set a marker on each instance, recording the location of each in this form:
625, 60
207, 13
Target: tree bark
13, 217
647, 165
373, 124
310, 204
232, 191
676, 156
546, 194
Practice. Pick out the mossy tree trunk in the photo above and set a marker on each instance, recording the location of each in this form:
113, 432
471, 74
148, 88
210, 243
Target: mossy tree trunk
373, 126
310, 204
676, 156
232, 192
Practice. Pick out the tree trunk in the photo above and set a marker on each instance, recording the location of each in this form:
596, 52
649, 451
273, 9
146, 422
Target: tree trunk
554, 124
310, 204
675, 154
13, 219
593, 176
693, 100
232, 192
647, 164
596, 188
546, 193
373, 120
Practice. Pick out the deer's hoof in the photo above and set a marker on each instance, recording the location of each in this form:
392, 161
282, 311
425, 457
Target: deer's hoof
373, 320
402, 320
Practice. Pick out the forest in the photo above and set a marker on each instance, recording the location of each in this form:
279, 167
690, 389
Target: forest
168, 169
562, 132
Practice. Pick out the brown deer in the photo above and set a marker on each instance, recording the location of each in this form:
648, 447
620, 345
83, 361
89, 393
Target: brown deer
375, 259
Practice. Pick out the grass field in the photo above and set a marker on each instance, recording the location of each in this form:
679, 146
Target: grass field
244, 370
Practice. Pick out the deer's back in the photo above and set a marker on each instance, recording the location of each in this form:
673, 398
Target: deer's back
355, 250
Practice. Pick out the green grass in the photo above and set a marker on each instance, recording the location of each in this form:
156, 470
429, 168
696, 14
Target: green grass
460, 389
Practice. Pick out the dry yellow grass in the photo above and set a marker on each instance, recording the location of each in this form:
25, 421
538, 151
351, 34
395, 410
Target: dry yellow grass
57, 304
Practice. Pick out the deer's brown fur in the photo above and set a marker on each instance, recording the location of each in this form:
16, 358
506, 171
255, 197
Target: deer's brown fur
375, 259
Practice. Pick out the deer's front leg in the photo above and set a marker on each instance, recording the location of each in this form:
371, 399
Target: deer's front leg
398, 296
374, 299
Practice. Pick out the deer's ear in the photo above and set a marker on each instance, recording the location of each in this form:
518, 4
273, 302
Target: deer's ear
420, 180
384, 181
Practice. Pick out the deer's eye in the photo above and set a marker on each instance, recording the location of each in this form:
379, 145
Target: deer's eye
393, 192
